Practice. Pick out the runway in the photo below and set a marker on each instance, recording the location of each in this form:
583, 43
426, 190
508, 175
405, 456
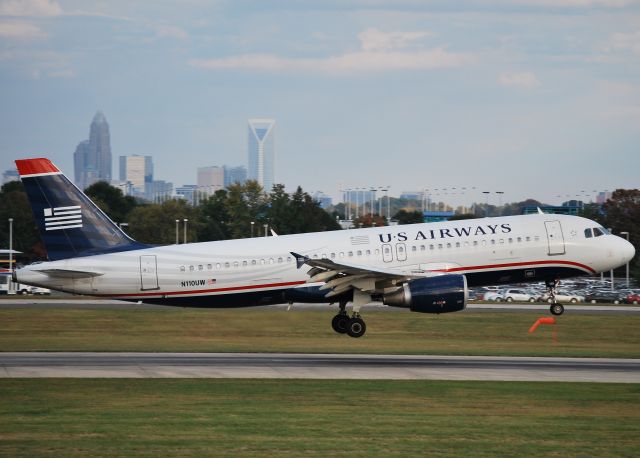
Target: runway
316, 366
111, 304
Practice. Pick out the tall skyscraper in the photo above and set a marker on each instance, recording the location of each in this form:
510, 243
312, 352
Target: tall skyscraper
137, 170
262, 152
92, 158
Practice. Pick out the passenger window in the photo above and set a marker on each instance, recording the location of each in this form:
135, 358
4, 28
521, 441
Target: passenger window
227, 265
280, 260
528, 239
262, 262
244, 263
236, 264
218, 266
315, 256
359, 252
457, 244
519, 239
324, 255
191, 268
288, 258
431, 247
200, 267
333, 255
342, 254
414, 248
350, 254
501, 240
466, 244
271, 261
209, 267
493, 241
587, 233
182, 269
254, 262
422, 247
377, 251
440, 246
368, 252
536, 238
448, 245
475, 243
510, 240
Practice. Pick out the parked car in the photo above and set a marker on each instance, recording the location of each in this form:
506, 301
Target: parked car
563, 296
609, 297
517, 295
632, 299
495, 296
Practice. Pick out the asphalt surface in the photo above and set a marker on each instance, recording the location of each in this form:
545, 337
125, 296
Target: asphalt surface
316, 366
72, 302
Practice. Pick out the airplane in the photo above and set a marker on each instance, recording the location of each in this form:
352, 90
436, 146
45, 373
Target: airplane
426, 267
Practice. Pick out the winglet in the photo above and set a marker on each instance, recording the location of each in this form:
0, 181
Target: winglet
300, 260
540, 211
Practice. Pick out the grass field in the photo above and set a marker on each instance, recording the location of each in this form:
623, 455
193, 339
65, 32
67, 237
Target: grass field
71, 328
53, 417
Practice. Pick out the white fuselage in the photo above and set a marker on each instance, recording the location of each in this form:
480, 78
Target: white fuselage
470, 247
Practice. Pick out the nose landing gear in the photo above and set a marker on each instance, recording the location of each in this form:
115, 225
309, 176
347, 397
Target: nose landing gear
556, 308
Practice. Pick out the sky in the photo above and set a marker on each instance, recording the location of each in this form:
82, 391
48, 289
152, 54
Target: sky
533, 98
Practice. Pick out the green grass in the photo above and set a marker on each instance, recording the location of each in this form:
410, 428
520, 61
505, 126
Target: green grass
70, 328
132, 417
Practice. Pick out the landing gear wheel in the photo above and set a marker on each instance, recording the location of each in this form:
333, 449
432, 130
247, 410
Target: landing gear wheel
340, 323
356, 327
556, 309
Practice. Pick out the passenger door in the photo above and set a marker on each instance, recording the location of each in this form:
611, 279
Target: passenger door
555, 238
148, 272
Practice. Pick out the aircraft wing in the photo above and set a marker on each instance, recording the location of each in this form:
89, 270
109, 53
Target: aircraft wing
340, 277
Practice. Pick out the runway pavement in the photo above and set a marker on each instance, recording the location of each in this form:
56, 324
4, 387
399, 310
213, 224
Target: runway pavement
316, 366
71, 302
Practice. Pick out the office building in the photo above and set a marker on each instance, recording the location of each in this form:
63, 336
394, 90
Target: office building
10, 175
262, 152
92, 158
210, 180
234, 175
137, 170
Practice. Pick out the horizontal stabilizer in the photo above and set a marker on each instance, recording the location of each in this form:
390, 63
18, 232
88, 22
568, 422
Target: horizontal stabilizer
68, 273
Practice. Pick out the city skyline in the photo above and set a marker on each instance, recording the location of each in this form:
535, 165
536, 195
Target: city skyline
533, 99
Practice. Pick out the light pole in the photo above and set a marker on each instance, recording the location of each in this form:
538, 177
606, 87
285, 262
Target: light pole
386, 191
177, 232
486, 205
265, 229
612, 288
499, 197
252, 224
185, 229
10, 290
626, 234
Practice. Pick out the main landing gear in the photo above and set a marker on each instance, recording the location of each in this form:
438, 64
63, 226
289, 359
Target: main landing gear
556, 308
354, 326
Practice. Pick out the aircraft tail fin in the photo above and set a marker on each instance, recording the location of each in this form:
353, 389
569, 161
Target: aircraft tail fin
69, 223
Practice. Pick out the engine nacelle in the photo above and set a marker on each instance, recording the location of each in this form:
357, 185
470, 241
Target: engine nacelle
441, 294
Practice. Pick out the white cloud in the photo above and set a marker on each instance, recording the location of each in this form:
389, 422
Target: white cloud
344, 64
525, 80
19, 30
375, 40
565, 3
29, 8
625, 42
380, 52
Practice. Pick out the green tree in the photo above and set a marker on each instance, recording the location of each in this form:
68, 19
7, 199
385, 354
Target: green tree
214, 217
111, 200
156, 224
245, 203
622, 214
15, 204
408, 217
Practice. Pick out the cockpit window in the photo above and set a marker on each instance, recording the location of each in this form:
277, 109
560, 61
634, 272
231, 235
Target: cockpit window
604, 231
597, 232
587, 233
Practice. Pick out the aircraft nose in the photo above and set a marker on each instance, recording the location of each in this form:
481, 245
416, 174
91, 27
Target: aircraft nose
628, 251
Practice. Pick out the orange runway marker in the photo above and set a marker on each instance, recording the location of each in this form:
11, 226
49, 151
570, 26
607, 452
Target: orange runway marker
545, 320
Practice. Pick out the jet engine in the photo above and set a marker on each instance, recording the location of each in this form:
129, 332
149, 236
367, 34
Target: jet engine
441, 294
